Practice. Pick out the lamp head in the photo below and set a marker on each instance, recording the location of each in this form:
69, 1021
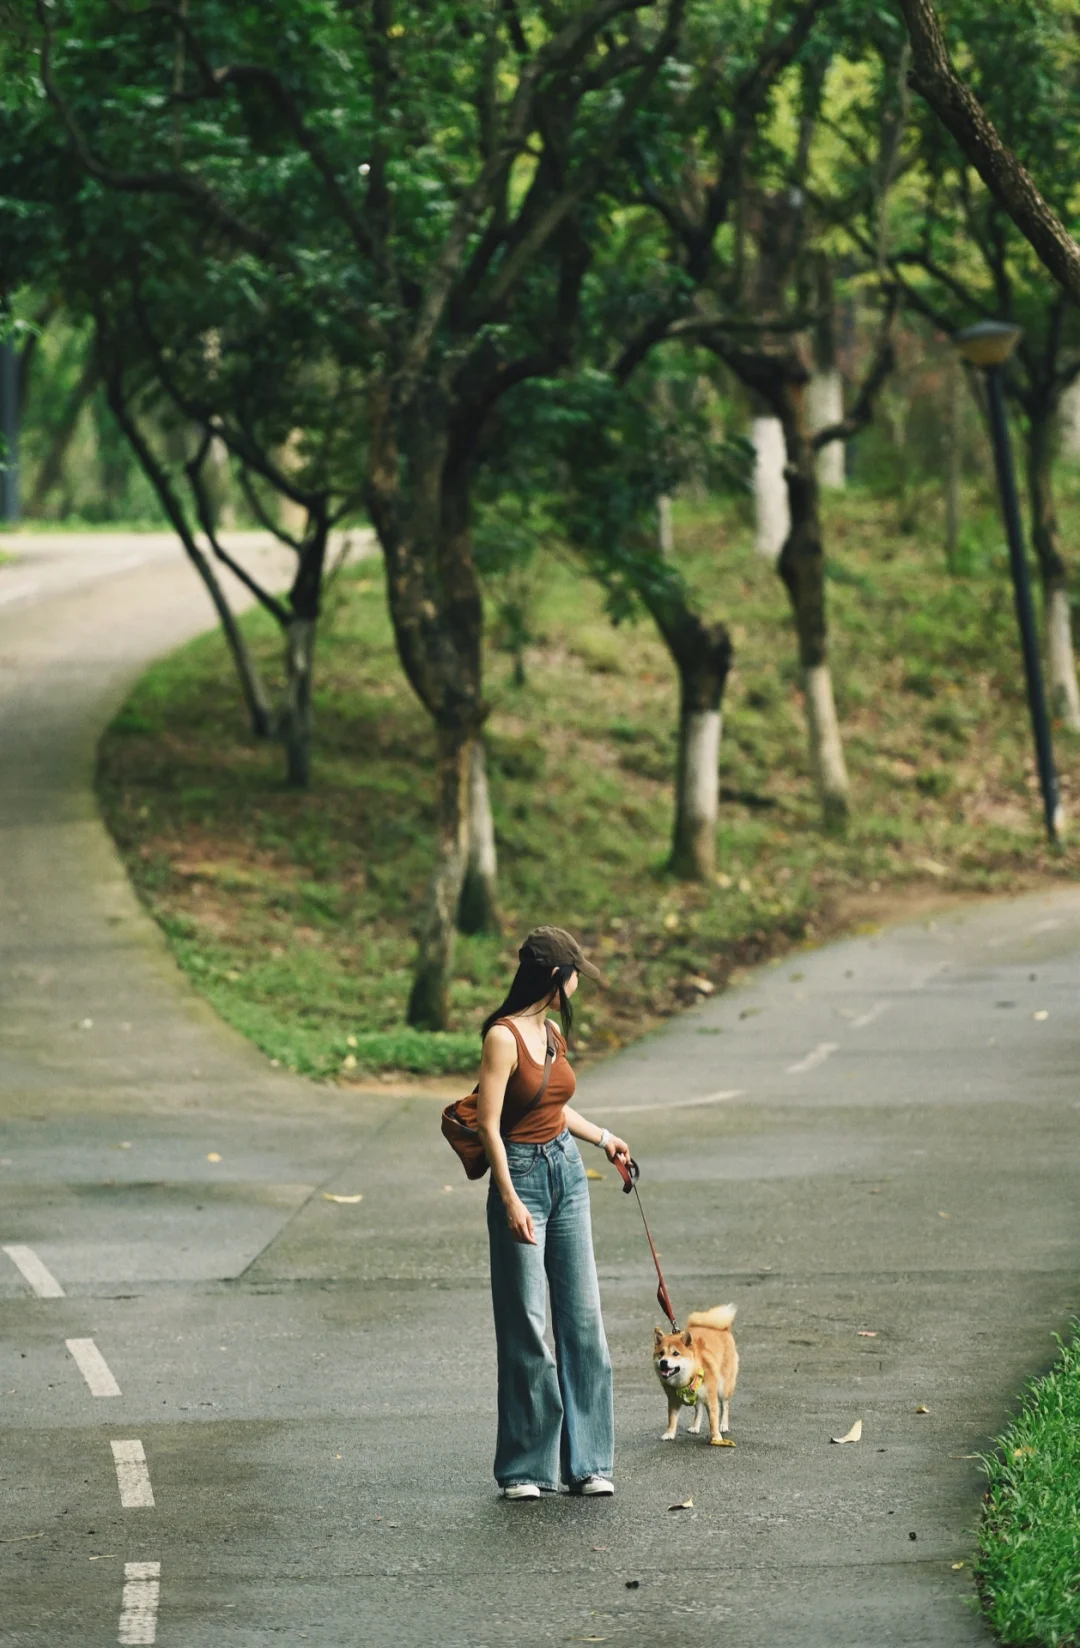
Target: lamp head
989, 343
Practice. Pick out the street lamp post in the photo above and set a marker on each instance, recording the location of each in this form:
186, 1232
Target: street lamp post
989, 345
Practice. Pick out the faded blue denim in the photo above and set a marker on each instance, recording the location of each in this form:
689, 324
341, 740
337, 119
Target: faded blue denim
556, 1413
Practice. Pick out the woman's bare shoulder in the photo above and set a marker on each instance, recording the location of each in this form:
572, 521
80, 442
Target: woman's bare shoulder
500, 1039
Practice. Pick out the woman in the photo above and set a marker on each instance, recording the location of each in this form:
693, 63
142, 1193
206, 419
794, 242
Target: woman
555, 1413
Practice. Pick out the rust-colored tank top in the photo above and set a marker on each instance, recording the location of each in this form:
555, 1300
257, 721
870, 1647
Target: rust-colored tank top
545, 1120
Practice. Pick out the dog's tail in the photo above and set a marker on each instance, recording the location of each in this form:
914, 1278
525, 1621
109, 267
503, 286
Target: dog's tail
721, 1316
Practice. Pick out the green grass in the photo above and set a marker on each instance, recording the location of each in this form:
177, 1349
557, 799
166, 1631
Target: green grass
294, 913
1029, 1551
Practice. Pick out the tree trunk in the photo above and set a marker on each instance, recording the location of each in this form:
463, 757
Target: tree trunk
429, 999
952, 459
418, 498
702, 655
826, 396
1069, 422
1061, 663
802, 567
294, 719
52, 467
478, 911
772, 520
665, 525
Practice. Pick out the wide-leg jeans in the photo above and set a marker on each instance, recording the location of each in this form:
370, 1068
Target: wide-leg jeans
555, 1412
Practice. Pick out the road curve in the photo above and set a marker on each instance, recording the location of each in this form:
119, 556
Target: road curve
238, 1411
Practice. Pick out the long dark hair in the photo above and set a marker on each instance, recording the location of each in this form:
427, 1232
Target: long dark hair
533, 982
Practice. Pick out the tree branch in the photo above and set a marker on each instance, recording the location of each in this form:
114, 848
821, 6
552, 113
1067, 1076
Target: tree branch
863, 410
936, 80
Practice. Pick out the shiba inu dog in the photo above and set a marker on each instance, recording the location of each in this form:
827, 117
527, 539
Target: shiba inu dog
699, 1367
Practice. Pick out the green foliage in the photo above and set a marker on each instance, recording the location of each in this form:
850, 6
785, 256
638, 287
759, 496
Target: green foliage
1029, 1546
294, 913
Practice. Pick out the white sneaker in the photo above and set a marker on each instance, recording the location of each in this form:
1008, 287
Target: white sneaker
593, 1485
522, 1490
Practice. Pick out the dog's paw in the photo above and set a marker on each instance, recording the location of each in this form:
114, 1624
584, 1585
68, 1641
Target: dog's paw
668, 1436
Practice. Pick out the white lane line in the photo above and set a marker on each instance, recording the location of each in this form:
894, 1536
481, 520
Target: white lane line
41, 1279
672, 1104
138, 1610
93, 1367
816, 1056
132, 1476
870, 1015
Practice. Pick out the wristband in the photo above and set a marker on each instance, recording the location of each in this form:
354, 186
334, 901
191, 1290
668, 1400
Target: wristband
603, 1139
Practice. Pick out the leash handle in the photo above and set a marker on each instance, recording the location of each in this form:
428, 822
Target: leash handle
631, 1173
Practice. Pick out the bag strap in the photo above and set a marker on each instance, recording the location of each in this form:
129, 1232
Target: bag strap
549, 1057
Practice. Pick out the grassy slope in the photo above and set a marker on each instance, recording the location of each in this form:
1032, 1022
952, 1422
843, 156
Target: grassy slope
1029, 1556
293, 912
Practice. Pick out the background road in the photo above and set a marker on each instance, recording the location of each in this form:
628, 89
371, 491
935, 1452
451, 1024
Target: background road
871, 1149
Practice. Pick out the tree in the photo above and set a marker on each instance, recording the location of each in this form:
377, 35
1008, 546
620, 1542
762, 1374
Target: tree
960, 258
413, 180
935, 78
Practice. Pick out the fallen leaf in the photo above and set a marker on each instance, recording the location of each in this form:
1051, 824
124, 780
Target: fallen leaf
86, 1024
683, 1505
329, 1196
922, 1408
447, 1188
601, 1547
723, 881
212, 1156
350, 1041
931, 866
956, 1566
853, 1435
1023, 1453
866, 1333
721, 1442
104, 1557
349, 1062
125, 1144
671, 921
1041, 1014
944, 1215
703, 986
591, 1173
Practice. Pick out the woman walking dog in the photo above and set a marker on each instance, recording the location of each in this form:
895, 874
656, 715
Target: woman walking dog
555, 1413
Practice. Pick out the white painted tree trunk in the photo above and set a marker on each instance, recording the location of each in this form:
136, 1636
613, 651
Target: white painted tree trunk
478, 911
1061, 665
1069, 422
772, 517
826, 745
826, 407
697, 800
665, 525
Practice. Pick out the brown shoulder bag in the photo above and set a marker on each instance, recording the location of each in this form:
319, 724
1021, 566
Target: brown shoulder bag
459, 1120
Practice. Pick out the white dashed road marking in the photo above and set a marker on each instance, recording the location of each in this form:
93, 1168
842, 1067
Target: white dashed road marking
818, 1056
870, 1015
673, 1104
41, 1279
93, 1367
142, 1590
132, 1476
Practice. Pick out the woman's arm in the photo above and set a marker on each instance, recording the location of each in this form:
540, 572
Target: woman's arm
582, 1129
496, 1067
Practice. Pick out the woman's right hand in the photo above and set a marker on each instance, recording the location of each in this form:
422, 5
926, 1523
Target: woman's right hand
520, 1221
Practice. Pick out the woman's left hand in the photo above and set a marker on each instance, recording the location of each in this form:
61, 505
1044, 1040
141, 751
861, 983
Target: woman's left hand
617, 1148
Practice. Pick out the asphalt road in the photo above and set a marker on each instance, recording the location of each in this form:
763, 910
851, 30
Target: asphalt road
871, 1149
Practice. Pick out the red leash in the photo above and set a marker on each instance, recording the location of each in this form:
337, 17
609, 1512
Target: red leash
630, 1175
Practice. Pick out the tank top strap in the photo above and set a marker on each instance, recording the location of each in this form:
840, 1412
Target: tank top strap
520, 1039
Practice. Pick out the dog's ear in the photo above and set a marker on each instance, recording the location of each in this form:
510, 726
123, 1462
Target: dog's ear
658, 1336
688, 1337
